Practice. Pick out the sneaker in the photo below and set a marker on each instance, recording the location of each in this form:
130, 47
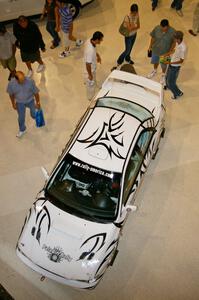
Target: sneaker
79, 43
181, 94
152, 74
64, 54
162, 80
114, 68
53, 46
20, 133
131, 62
30, 73
192, 33
40, 68
179, 12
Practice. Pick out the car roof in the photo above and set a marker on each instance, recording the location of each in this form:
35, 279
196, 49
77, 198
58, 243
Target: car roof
110, 128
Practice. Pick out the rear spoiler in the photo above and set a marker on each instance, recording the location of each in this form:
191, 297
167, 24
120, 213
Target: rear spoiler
135, 79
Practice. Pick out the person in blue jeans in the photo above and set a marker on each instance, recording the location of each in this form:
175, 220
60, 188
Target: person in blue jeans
23, 94
51, 10
132, 23
177, 4
175, 63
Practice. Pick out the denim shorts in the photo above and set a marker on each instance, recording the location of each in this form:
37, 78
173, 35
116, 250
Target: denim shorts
155, 59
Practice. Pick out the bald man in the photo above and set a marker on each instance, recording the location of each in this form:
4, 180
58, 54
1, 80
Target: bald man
23, 94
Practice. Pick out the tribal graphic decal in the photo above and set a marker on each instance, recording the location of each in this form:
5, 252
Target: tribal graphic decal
98, 241
143, 169
109, 136
56, 254
111, 251
42, 215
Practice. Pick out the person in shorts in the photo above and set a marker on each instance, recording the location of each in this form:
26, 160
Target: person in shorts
161, 44
65, 23
7, 50
29, 41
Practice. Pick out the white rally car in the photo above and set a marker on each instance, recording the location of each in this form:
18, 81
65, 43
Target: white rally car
12, 9
71, 232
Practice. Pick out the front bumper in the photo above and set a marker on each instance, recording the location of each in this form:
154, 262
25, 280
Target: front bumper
82, 284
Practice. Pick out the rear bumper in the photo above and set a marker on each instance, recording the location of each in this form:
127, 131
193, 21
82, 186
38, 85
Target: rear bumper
82, 284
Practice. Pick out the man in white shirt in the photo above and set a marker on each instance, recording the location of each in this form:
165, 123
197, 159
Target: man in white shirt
175, 63
91, 57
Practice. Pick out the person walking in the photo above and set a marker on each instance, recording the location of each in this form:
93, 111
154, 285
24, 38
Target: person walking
90, 60
177, 58
29, 41
154, 4
65, 23
177, 4
51, 11
7, 50
162, 42
23, 94
132, 23
195, 27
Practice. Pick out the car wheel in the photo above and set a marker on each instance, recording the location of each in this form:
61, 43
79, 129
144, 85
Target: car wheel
74, 7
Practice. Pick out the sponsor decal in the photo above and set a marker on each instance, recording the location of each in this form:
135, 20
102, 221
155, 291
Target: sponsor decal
56, 254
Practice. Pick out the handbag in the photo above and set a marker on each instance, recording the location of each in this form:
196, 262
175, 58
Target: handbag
124, 30
39, 118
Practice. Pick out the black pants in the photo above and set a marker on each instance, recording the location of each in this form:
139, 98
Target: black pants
154, 3
177, 4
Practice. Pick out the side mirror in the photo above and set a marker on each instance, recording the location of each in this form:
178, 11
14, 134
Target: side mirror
130, 208
45, 173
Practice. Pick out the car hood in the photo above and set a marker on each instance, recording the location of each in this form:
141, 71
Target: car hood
64, 244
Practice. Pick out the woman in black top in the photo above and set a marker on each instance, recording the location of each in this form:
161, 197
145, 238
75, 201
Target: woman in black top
51, 10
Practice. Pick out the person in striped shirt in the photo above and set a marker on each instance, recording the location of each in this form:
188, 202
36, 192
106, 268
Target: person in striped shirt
65, 23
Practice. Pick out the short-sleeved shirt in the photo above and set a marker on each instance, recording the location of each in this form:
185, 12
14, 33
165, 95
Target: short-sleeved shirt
66, 18
6, 43
162, 40
180, 53
133, 20
90, 56
23, 93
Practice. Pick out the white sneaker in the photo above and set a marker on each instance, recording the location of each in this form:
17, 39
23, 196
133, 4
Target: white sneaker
79, 43
152, 74
40, 68
64, 54
20, 133
30, 73
163, 80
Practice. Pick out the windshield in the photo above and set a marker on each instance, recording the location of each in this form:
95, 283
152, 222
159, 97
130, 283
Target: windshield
84, 190
131, 108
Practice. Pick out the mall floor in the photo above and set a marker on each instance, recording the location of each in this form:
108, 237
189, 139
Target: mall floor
159, 251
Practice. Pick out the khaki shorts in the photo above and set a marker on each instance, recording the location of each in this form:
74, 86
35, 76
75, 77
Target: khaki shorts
9, 63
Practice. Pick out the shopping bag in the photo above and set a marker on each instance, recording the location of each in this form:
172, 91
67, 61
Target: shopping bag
39, 118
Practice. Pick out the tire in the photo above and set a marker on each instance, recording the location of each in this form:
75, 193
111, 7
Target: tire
74, 7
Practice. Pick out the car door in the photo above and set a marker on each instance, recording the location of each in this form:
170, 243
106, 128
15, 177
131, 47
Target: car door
136, 168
